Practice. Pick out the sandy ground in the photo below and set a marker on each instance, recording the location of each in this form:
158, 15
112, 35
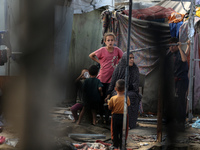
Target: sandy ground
142, 138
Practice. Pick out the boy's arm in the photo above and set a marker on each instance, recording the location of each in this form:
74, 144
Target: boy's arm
188, 48
100, 90
110, 104
81, 76
128, 101
107, 97
93, 57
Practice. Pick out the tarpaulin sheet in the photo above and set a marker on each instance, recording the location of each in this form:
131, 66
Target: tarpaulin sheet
143, 34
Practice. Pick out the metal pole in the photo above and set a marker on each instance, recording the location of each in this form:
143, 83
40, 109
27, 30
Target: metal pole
160, 95
191, 37
126, 79
153, 47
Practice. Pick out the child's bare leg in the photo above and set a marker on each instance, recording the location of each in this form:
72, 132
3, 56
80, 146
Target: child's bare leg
81, 115
94, 116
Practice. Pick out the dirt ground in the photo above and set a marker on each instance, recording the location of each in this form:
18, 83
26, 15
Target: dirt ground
142, 138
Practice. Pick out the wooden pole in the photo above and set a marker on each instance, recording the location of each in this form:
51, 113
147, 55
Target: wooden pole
160, 96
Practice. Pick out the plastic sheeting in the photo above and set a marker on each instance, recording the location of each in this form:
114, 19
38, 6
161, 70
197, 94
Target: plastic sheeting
143, 34
176, 5
83, 6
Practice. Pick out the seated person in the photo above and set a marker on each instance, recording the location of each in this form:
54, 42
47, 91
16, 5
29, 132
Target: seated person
79, 105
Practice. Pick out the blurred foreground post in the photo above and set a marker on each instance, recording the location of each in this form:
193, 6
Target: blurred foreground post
36, 42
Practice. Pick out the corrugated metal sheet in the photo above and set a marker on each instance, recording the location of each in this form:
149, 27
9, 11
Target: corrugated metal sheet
63, 30
86, 38
83, 6
176, 5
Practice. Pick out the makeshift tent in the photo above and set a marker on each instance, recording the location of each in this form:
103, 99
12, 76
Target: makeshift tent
143, 34
147, 40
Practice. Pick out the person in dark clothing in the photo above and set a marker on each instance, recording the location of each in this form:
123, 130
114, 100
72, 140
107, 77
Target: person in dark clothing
92, 92
79, 98
133, 86
181, 81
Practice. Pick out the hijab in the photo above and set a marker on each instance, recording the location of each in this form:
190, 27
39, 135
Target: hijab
119, 73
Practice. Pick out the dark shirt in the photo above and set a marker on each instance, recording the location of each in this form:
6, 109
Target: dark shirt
180, 67
91, 94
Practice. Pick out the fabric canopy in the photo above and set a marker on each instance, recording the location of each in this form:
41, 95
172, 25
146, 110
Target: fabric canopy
151, 13
143, 34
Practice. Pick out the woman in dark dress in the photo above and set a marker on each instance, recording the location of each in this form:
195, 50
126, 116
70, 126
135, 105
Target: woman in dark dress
133, 86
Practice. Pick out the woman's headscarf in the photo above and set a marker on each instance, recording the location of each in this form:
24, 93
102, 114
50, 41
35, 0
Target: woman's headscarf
119, 73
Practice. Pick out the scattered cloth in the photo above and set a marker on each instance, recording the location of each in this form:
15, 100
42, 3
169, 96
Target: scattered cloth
2, 139
175, 17
196, 124
174, 29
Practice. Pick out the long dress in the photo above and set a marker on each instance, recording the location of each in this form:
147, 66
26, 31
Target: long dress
133, 88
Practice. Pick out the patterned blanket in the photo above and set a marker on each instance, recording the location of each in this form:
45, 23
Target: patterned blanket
151, 13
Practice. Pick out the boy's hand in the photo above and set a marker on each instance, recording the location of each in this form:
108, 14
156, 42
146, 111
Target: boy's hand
105, 100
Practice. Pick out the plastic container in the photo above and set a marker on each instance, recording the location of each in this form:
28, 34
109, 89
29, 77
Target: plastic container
86, 75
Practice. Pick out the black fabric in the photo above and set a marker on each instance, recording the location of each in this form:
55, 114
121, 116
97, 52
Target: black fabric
133, 91
79, 90
117, 126
181, 87
91, 94
102, 109
119, 73
180, 67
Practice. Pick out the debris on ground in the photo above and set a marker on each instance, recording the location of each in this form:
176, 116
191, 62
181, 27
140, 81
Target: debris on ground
2, 139
12, 142
195, 138
196, 124
140, 138
98, 145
